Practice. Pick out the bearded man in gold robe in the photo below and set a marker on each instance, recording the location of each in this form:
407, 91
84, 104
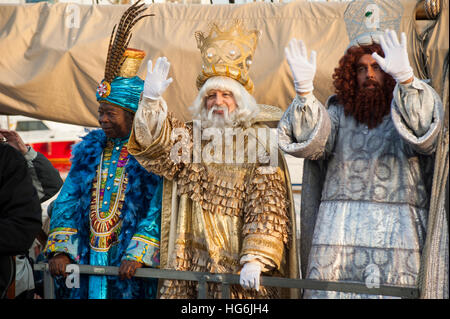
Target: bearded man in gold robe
227, 203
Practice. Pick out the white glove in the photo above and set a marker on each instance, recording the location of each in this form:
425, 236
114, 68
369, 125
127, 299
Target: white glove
396, 61
250, 275
156, 82
302, 68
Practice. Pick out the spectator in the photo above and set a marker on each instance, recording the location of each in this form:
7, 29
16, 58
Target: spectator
47, 182
20, 212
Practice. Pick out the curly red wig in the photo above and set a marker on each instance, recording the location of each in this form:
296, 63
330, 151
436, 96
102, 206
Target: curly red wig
366, 106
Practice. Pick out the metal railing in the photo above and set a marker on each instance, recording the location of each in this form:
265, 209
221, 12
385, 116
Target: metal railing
229, 279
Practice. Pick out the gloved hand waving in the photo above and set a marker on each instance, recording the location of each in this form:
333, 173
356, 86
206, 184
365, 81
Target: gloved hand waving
396, 61
302, 68
156, 81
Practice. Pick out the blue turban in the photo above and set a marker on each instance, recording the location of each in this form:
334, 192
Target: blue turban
125, 92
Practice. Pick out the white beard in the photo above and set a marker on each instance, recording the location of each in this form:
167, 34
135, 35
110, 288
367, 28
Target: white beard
211, 119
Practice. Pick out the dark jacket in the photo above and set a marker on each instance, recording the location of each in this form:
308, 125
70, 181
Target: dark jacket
45, 177
20, 210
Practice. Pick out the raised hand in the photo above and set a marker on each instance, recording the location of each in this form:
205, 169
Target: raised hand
156, 81
395, 62
302, 68
14, 139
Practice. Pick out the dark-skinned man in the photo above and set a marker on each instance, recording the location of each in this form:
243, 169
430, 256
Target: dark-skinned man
108, 211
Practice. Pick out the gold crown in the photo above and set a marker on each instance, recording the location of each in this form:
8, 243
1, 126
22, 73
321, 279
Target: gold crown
227, 53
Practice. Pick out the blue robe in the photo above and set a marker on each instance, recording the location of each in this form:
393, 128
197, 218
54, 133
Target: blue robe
135, 234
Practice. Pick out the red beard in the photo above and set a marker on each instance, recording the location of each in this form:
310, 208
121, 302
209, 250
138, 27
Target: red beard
370, 105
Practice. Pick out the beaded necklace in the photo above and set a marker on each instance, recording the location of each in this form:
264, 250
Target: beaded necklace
105, 228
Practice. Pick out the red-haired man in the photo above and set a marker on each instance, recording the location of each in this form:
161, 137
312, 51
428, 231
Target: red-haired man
371, 221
